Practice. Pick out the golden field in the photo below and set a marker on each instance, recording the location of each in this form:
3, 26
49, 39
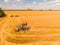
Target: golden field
45, 28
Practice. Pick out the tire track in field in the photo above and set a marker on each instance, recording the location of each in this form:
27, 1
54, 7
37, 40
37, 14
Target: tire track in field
6, 21
2, 22
3, 30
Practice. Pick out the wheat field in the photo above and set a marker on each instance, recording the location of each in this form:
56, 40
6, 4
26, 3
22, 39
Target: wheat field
45, 28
